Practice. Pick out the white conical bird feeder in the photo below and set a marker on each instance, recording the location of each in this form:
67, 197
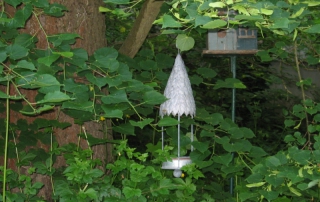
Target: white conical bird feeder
180, 101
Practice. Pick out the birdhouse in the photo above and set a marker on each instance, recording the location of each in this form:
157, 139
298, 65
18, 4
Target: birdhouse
232, 41
180, 102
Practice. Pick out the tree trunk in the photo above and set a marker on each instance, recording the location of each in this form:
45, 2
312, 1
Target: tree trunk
83, 18
141, 28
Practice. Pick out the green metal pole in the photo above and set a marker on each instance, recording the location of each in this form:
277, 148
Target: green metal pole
233, 105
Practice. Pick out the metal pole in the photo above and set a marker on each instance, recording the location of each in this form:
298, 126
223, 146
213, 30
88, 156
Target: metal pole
233, 105
233, 70
179, 137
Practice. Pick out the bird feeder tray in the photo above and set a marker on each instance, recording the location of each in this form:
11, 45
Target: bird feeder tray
240, 41
176, 163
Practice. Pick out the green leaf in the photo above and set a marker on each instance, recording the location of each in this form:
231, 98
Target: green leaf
169, 21
13, 3
126, 129
229, 83
250, 17
55, 10
184, 42
272, 162
269, 195
25, 65
314, 29
214, 24
21, 16
40, 3
142, 123
115, 97
274, 180
223, 159
217, 5
205, 133
111, 112
58, 39
16, 52
201, 146
64, 54
168, 121
91, 193
117, 1
201, 20
25, 40
104, 9
240, 145
46, 82
153, 98
81, 106
48, 60
257, 152
131, 192
3, 56
206, 72
247, 195
98, 81
280, 23
55, 96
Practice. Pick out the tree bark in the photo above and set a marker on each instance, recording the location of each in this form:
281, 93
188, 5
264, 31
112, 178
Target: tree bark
141, 28
83, 18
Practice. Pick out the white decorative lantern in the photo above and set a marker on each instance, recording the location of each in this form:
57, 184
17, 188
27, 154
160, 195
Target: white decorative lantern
180, 101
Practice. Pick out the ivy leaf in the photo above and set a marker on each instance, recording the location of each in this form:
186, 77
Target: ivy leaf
272, 162
3, 57
117, 1
111, 112
215, 24
201, 20
229, 83
206, 72
314, 29
168, 21
141, 124
21, 16
115, 97
16, 52
168, 121
13, 3
131, 192
126, 128
82, 106
269, 195
153, 98
64, 54
91, 193
217, 5
25, 65
223, 159
56, 96
46, 82
264, 55
184, 42
48, 60
40, 3
201, 146
55, 10
280, 23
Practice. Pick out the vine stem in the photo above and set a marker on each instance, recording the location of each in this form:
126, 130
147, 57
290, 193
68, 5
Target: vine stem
6, 144
301, 86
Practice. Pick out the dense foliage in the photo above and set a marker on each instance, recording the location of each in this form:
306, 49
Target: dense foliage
271, 152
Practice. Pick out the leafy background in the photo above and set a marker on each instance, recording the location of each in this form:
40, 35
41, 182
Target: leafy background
271, 152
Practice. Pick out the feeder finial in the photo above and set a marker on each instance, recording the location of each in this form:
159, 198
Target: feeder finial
178, 91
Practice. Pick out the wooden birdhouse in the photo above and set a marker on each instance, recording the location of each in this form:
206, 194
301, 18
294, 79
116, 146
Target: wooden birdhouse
232, 41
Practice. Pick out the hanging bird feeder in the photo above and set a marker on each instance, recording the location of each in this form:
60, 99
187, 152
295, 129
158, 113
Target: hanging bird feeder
180, 101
